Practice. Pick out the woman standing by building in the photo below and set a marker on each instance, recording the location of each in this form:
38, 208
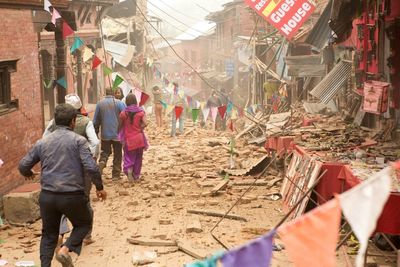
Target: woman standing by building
131, 135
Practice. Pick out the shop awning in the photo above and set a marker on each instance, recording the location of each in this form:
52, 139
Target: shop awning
333, 82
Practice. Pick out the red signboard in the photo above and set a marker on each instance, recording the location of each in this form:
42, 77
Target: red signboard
285, 15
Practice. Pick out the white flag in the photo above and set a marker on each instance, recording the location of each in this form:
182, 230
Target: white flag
47, 5
87, 54
138, 95
362, 206
206, 112
55, 16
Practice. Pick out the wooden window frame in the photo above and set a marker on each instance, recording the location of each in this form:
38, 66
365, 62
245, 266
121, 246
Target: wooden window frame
6, 103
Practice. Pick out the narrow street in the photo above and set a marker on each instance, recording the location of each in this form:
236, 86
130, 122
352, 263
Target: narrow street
175, 172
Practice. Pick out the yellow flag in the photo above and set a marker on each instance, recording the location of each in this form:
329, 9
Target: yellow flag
169, 109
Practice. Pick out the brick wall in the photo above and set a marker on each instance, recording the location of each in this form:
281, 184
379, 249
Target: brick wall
20, 129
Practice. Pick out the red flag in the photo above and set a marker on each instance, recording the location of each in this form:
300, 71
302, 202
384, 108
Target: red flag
222, 111
241, 113
143, 99
96, 62
311, 239
67, 31
178, 112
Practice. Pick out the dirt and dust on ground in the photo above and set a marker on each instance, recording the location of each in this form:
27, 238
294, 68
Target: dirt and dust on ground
156, 221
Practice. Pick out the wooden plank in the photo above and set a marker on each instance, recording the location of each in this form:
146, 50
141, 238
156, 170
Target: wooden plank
220, 186
151, 242
186, 247
217, 214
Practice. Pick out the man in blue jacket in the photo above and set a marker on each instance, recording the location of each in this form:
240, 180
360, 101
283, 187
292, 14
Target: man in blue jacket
64, 157
106, 118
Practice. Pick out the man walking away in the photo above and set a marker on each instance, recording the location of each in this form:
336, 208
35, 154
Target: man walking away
85, 128
158, 108
106, 117
64, 157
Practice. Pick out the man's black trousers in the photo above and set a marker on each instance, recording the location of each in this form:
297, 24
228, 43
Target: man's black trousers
75, 206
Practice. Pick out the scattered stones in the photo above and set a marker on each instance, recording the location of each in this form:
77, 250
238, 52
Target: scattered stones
123, 193
194, 227
164, 221
146, 196
134, 218
132, 203
169, 193
155, 194
143, 258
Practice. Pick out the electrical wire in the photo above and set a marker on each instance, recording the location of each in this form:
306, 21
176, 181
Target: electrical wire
247, 114
190, 27
179, 12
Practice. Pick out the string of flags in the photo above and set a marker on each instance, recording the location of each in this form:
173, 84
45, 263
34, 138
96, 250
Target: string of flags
302, 237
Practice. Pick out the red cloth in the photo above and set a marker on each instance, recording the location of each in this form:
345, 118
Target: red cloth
280, 144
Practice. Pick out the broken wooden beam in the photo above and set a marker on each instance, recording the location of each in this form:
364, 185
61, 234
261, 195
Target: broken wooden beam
248, 182
151, 242
187, 248
217, 214
220, 186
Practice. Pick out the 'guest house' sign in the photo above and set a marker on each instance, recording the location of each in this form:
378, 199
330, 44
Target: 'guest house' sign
285, 15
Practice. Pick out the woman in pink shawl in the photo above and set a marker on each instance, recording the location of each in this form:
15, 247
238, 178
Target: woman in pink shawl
131, 135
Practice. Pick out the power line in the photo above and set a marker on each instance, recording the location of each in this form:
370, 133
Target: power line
249, 115
174, 26
179, 12
190, 27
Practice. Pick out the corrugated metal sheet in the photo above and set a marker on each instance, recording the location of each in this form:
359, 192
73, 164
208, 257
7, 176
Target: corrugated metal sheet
305, 66
320, 33
333, 82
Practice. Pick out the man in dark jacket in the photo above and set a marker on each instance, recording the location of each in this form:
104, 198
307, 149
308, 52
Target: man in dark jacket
64, 157
106, 118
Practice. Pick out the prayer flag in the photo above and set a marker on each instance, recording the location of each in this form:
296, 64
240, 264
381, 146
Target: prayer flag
311, 239
49, 84
96, 62
178, 112
241, 112
257, 253
169, 109
362, 206
138, 95
214, 113
77, 44
181, 93
1, 163
164, 104
62, 82
222, 111
47, 5
54, 16
143, 99
234, 114
202, 105
107, 70
67, 31
87, 54
118, 80
206, 112
229, 108
254, 108
195, 114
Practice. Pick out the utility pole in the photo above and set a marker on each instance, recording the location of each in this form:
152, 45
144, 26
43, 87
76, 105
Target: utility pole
60, 61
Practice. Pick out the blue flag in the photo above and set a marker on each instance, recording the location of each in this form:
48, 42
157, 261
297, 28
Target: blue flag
77, 44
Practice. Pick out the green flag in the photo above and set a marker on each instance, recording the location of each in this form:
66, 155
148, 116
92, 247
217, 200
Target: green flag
195, 114
107, 70
118, 80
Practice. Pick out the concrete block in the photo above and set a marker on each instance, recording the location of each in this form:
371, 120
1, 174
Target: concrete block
22, 204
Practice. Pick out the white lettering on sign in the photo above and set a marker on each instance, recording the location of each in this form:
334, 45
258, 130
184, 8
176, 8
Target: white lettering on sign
292, 23
282, 10
260, 4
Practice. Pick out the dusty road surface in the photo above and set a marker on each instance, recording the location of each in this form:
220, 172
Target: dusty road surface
179, 175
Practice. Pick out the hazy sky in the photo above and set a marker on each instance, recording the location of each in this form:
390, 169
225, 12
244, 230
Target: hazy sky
186, 11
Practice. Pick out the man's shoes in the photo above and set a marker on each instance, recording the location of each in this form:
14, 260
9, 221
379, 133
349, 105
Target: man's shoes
87, 241
65, 260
